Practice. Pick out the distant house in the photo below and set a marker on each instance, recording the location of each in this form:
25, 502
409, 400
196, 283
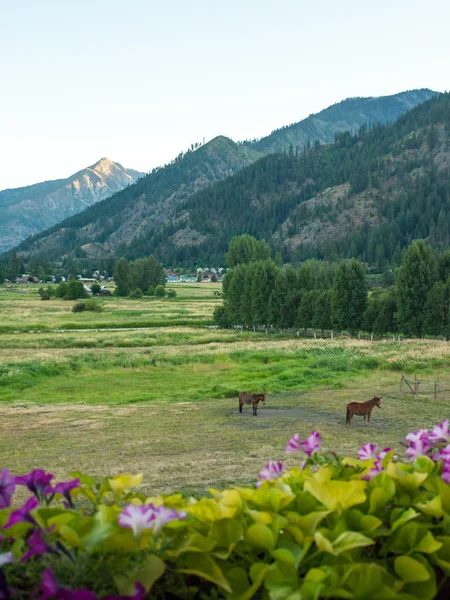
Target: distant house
88, 290
105, 292
188, 278
172, 279
87, 279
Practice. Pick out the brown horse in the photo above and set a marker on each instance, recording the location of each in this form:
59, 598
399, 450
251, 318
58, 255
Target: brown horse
253, 399
362, 409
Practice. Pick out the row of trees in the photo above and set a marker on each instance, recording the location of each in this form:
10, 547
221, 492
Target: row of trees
323, 295
144, 274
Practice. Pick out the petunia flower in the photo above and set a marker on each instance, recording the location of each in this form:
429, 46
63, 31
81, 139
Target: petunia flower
163, 515
383, 453
446, 472
416, 436
64, 488
442, 454
6, 558
417, 448
377, 468
139, 594
312, 444
23, 513
7, 488
138, 518
294, 444
37, 482
51, 590
440, 433
271, 471
36, 546
367, 451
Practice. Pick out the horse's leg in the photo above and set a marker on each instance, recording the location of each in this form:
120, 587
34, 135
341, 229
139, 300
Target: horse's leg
368, 419
240, 406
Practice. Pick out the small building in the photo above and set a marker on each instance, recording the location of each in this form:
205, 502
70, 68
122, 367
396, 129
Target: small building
171, 279
104, 292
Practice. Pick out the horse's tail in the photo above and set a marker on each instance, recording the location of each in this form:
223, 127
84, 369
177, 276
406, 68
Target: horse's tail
239, 404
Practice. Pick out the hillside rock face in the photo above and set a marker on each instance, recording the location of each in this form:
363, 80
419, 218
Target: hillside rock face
188, 209
29, 210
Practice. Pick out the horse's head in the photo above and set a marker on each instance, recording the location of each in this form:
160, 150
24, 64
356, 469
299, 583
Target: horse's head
261, 398
377, 401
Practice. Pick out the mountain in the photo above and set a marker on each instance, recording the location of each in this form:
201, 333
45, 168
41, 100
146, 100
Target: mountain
177, 212
347, 115
28, 210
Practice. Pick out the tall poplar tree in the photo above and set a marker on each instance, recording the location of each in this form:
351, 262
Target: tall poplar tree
349, 295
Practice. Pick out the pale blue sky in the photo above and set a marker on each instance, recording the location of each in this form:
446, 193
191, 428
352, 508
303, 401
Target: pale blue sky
139, 81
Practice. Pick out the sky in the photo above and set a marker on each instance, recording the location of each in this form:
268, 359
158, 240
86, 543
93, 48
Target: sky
140, 81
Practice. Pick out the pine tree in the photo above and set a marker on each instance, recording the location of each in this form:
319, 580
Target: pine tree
437, 306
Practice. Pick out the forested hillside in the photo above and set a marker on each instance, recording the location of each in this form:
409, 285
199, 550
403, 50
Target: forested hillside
158, 213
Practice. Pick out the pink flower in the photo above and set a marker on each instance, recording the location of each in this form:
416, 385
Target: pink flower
64, 488
377, 468
416, 436
446, 472
163, 515
6, 558
294, 444
23, 513
7, 488
442, 454
367, 451
440, 433
383, 453
138, 518
417, 448
271, 471
312, 444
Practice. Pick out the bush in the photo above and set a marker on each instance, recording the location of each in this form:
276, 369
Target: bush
75, 290
61, 290
160, 291
151, 290
171, 293
95, 289
137, 293
220, 316
333, 527
87, 305
46, 293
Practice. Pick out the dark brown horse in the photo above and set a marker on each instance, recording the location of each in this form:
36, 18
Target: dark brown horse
253, 399
362, 409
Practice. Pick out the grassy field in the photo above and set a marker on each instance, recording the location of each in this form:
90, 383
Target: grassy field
164, 400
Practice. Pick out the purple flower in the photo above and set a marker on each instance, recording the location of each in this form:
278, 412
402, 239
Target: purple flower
442, 454
440, 433
7, 488
36, 546
416, 436
23, 513
271, 471
312, 443
37, 482
417, 448
377, 468
163, 515
367, 451
294, 444
64, 488
446, 472
139, 594
51, 590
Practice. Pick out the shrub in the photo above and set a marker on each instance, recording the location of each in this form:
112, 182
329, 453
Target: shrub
137, 293
46, 293
160, 291
375, 527
151, 290
61, 290
95, 289
171, 293
220, 316
75, 290
87, 305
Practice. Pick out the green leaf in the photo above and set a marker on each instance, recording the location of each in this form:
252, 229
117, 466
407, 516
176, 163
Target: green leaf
226, 533
403, 475
404, 517
350, 540
152, 569
432, 507
410, 570
260, 536
337, 495
205, 567
428, 544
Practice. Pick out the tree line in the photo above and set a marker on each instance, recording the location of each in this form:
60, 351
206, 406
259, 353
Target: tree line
139, 277
324, 295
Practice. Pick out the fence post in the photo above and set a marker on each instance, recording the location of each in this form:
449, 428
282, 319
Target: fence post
331, 334
315, 334
401, 384
416, 385
435, 390
371, 337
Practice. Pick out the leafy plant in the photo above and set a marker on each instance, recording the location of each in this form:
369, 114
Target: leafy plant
375, 527
87, 305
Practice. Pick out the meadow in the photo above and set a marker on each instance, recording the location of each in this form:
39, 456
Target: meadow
148, 386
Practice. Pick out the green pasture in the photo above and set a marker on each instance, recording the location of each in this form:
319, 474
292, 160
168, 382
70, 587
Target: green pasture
164, 400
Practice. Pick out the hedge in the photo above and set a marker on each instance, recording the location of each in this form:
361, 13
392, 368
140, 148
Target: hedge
369, 528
